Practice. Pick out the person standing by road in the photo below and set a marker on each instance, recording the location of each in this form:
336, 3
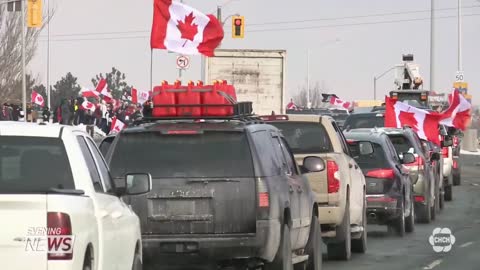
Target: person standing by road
6, 113
46, 114
65, 112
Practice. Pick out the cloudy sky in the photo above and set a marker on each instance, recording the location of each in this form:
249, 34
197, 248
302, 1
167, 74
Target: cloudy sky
350, 41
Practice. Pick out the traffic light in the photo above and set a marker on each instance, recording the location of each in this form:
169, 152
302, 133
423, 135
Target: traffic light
238, 27
34, 13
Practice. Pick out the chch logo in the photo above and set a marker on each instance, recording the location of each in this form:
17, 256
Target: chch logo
442, 240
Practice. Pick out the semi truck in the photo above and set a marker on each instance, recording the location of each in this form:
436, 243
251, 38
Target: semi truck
257, 75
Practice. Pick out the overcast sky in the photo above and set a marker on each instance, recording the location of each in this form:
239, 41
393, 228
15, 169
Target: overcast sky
350, 41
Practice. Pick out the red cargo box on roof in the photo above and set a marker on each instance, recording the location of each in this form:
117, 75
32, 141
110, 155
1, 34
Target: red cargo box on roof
163, 96
189, 96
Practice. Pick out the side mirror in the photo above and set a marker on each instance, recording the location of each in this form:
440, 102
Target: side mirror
408, 158
435, 156
447, 142
313, 164
137, 183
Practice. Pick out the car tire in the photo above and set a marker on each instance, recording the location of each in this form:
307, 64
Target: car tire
410, 220
398, 224
457, 181
360, 245
137, 262
448, 193
424, 212
314, 246
342, 250
441, 200
283, 258
87, 261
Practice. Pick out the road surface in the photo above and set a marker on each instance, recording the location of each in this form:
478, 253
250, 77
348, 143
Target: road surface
462, 216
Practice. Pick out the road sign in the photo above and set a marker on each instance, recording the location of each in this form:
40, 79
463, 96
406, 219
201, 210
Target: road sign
183, 62
459, 77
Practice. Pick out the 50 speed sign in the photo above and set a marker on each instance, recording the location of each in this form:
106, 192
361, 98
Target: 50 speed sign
183, 62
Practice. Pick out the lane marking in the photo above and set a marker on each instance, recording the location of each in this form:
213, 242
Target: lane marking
466, 244
433, 264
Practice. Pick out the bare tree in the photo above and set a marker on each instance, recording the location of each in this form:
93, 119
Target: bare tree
11, 50
300, 98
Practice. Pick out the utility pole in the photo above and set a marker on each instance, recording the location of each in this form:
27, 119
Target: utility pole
24, 83
460, 64
48, 56
308, 79
432, 46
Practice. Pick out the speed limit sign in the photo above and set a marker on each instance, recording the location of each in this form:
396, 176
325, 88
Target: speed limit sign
183, 62
459, 77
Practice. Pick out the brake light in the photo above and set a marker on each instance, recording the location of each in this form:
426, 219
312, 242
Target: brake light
418, 162
455, 141
445, 152
419, 198
60, 236
182, 132
455, 164
263, 195
382, 173
333, 176
381, 199
351, 142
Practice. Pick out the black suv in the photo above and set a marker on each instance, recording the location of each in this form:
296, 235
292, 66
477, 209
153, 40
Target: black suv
224, 191
389, 189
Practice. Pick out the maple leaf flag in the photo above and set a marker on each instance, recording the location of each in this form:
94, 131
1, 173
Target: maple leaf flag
117, 125
139, 97
182, 29
291, 105
37, 99
335, 101
102, 88
87, 105
87, 93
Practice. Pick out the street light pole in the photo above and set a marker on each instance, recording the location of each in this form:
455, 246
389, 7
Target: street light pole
48, 56
432, 45
308, 79
375, 78
24, 83
460, 64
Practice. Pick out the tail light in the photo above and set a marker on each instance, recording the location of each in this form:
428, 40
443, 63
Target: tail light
455, 141
381, 199
418, 162
263, 195
455, 164
382, 173
59, 224
445, 152
419, 198
333, 176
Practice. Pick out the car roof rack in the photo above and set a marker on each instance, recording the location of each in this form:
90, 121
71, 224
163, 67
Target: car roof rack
242, 111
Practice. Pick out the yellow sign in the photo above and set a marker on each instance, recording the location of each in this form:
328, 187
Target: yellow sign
34, 13
238, 27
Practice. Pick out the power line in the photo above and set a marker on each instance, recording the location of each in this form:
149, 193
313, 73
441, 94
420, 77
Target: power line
273, 23
281, 29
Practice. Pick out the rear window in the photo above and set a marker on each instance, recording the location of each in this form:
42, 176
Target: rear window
33, 164
401, 144
373, 161
364, 121
210, 155
305, 137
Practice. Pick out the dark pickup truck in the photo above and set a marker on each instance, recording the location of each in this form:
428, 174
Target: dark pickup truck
223, 191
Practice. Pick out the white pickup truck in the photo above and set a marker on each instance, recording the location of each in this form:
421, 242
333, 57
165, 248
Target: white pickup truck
58, 206
339, 190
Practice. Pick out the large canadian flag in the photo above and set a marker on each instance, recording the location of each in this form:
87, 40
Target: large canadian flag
340, 103
182, 29
87, 93
117, 125
37, 99
425, 123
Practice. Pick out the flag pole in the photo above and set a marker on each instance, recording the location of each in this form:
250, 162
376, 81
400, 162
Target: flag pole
151, 69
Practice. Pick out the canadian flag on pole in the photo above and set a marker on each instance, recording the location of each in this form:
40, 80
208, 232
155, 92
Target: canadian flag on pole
183, 29
139, 97
425, 123
89, 93
87, 105
37, 99
291, 105
117, 125
102, 88
340, 103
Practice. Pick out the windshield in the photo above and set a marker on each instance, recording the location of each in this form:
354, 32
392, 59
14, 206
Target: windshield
375, 160
305, 137
212, 154
355, 121
33, 164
